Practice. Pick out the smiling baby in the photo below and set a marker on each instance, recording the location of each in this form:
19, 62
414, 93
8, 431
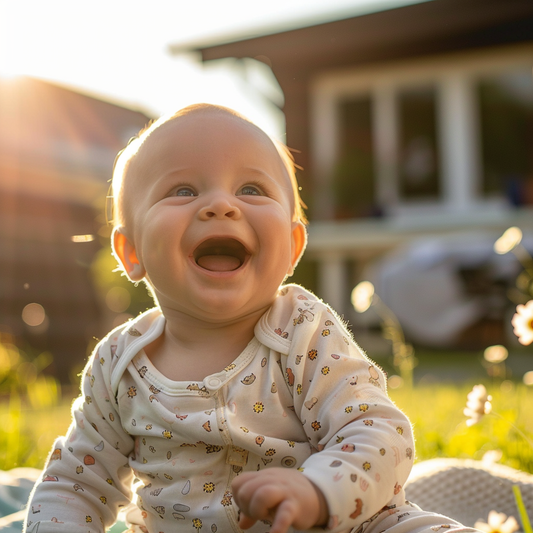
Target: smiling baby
237, 402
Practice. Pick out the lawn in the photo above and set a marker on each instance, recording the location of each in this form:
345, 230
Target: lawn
27, 431
436, 412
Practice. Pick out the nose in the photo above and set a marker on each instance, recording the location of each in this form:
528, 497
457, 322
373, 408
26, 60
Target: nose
220, 208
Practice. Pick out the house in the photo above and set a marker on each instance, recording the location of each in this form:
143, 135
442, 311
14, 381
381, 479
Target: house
57, 148
414, 126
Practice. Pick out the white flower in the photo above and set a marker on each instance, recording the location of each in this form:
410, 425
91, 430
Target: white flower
498, 523
508, 240
362, 296
491, 457
523, 323
477, 405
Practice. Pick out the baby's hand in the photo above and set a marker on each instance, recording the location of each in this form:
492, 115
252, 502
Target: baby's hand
285, 497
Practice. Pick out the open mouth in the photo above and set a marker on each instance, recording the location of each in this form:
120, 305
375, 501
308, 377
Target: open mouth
220, 255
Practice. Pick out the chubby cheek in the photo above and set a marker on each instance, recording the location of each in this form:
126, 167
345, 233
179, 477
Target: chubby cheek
152, 250
276, 242
160, 254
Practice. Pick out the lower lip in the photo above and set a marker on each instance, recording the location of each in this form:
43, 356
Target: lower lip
220, 274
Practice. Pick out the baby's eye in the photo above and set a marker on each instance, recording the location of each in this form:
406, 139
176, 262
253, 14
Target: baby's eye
251, 190
183, 191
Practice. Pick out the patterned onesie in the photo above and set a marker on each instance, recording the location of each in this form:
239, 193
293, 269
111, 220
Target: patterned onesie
301, 395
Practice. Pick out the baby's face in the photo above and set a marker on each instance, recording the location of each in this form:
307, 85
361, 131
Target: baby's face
210, 207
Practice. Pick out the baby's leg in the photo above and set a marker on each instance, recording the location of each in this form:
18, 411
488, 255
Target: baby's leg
409, 518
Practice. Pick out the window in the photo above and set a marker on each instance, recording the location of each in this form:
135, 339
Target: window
418, 159
426, 137
506, 122
353, 177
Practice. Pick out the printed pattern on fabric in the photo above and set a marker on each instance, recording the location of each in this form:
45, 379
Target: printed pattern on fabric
301, 395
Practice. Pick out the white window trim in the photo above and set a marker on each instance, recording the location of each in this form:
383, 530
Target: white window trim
453, 75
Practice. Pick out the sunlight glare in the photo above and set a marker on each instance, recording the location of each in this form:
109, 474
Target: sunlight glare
120, 50
33, 314
82, 238
496, 354
362, 296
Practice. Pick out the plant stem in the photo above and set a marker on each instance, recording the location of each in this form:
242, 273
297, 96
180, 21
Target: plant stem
524, 518
403, 353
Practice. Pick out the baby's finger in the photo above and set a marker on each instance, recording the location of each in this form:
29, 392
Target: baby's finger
263, 502
284, 517
243, 492
241, 479
245, 521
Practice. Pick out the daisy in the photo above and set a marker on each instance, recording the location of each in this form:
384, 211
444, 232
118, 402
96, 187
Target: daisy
477, 405
498, 523
523, 323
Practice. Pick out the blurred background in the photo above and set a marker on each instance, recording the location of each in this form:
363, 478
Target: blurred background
412, 122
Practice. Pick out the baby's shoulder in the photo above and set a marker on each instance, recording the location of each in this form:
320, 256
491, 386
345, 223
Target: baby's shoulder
295, 313
132, 332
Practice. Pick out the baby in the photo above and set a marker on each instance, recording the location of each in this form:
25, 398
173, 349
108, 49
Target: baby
236, 403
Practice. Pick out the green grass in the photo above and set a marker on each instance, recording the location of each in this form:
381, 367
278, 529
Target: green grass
28, 429
27, 433
436, 412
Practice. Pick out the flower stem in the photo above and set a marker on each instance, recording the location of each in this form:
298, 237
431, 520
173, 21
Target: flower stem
526, 524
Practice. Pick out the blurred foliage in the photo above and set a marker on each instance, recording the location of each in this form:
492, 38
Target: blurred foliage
28, 401
110, 282
32, 412
21, 374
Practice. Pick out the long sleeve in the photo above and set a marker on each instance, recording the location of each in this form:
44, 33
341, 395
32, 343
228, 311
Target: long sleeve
87, 479
363, 443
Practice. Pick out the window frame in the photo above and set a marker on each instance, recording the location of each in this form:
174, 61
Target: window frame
458, 127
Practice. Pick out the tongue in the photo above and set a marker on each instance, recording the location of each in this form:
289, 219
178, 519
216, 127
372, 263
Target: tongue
219, 263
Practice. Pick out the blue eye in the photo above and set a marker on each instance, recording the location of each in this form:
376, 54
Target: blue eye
251, 190
184, 191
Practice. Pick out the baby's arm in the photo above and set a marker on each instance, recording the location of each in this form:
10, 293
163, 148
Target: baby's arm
88, 477
364, 442
284, 497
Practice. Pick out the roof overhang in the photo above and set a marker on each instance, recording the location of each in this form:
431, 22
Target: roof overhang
416, 29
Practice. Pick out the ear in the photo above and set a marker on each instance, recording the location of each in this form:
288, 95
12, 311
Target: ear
124, 251
298, 244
